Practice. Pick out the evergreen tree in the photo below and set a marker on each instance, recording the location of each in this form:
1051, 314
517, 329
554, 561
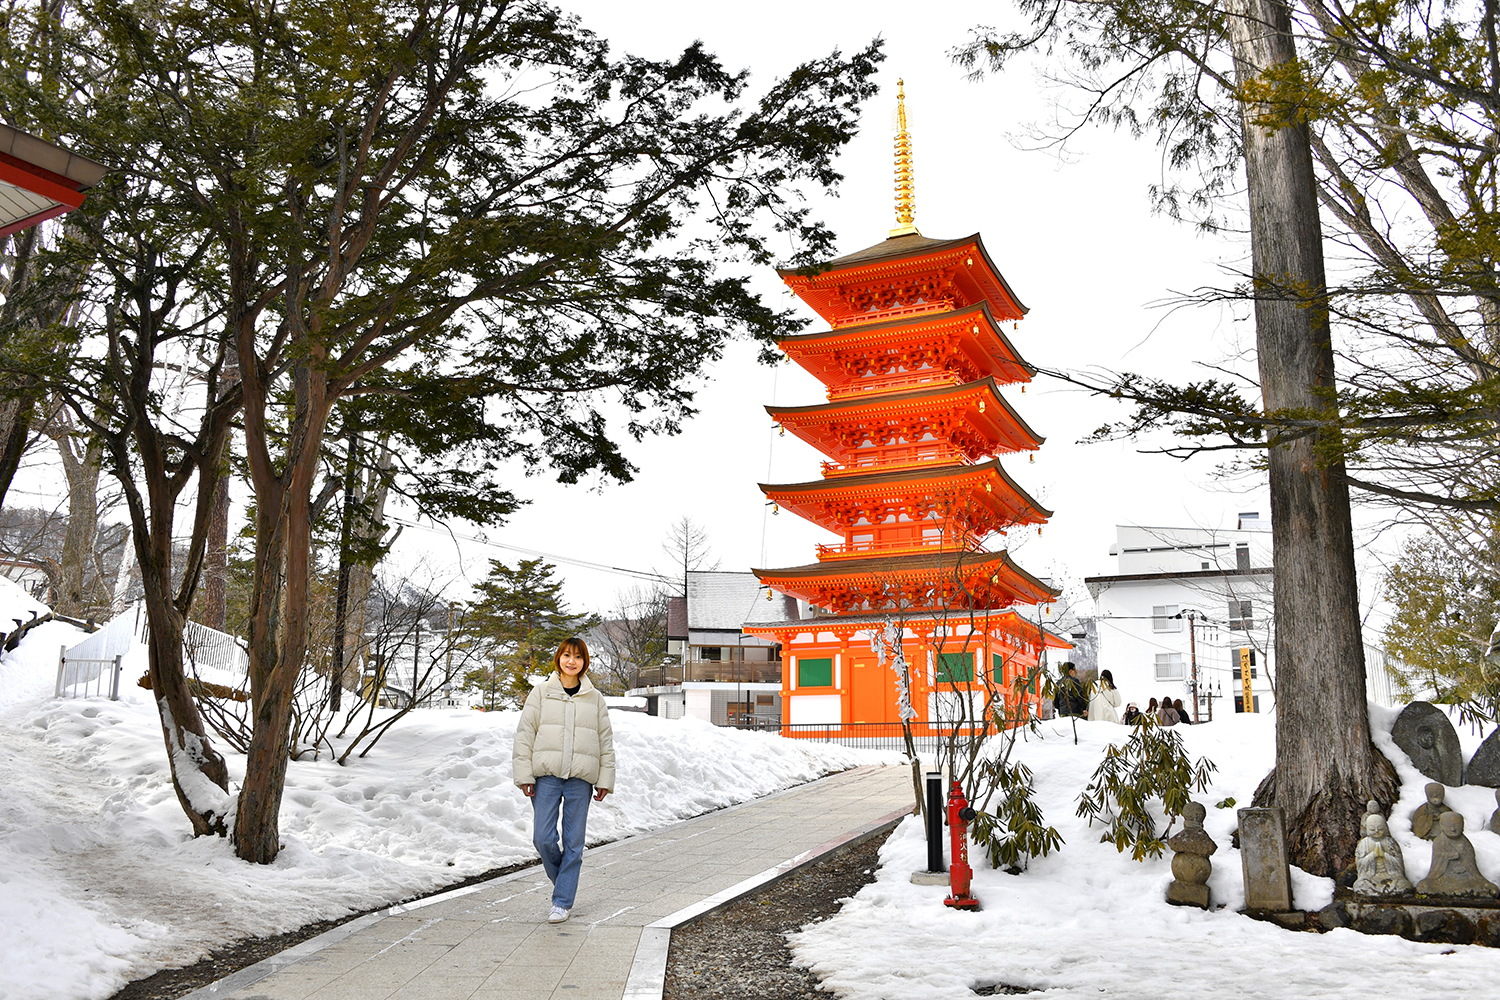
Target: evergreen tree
522, 616
468, 219
1443, 612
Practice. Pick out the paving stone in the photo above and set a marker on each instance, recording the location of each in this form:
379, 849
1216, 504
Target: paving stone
494, 943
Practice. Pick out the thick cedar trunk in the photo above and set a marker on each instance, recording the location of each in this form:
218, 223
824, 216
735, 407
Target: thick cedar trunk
1326, 766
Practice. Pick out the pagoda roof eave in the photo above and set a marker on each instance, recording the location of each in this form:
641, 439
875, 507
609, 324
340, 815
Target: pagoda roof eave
824, 622
878, 565
853, 484
856, 403
896, 247
912, 323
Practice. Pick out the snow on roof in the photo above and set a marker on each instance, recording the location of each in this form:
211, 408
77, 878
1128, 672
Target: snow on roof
724, 601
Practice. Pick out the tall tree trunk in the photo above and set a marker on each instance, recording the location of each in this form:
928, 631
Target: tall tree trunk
200, 776
214, 608
1326, 766
278, 633
81, 464
369, 531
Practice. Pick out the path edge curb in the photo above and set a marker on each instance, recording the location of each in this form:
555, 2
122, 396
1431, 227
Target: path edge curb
648, 972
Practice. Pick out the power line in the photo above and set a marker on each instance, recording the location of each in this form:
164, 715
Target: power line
639, 574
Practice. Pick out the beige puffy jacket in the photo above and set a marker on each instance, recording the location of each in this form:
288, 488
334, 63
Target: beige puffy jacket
565, 735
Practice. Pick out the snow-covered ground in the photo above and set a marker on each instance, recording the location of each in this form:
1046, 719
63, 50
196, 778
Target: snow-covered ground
1089, 922
100, 882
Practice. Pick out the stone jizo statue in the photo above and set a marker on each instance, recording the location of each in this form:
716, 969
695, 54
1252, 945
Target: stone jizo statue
1382, 870
1190, 865
1424, 822
1454, 871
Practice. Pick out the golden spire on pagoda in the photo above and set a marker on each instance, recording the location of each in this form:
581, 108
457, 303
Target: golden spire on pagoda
906, 197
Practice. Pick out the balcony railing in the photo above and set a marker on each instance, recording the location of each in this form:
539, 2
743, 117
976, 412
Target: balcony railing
720, 671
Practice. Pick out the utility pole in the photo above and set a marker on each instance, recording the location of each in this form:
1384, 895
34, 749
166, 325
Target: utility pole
1192, 617
416, 661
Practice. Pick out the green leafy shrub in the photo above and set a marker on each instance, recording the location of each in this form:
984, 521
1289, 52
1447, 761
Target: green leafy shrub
1015, 831
1151, 765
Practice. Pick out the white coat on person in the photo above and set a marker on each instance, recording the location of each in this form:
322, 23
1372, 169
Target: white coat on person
564, 735
1103, 705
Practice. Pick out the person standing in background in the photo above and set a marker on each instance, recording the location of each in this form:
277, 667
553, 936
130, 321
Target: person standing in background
1105, 700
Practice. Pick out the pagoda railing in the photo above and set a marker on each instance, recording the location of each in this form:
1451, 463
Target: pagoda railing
891, 459
893, 383
855, 550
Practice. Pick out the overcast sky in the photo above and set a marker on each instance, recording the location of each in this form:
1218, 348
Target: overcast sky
1073, 234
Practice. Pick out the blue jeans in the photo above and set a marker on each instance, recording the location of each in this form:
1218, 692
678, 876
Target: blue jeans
562, 863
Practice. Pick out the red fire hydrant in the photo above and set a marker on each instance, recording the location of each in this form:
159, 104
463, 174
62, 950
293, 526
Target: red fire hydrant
959, 872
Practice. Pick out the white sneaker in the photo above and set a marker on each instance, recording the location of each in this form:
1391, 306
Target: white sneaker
557, 916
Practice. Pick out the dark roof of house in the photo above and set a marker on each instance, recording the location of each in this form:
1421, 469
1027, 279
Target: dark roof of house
677, 618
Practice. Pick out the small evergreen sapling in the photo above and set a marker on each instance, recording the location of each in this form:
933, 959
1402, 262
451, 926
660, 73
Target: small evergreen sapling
1151, 765
1012, 831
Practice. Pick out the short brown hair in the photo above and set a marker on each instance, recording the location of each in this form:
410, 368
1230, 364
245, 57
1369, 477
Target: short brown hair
579, 648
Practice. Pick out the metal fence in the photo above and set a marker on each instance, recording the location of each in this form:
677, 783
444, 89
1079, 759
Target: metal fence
79, 677
210, 648
859, 735
91, 669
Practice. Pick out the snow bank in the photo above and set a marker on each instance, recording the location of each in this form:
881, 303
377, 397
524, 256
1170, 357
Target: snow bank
1087, 921
100, 882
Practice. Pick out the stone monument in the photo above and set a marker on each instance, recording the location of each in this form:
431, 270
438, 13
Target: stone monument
1268, 882
1495, 816
1190, 864
1427, 736
1484, 767
1377, 858
1424, 822
1454, 871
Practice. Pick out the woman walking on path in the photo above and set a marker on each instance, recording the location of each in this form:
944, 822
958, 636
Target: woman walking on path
564, 751
1105, 699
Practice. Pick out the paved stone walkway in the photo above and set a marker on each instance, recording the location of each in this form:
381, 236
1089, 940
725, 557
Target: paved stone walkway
492, 942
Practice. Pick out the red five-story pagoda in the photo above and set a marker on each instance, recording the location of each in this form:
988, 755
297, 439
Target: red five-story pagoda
914, 360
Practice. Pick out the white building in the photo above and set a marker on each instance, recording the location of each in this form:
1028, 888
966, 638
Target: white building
1186, 598
724, 677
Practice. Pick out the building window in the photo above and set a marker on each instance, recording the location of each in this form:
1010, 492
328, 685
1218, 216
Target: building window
1239, 658
1205, 565
955, 668
1242, 556
814, 673
997, 670
1164, 618
1239, 703
1169, 667
1241, 615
